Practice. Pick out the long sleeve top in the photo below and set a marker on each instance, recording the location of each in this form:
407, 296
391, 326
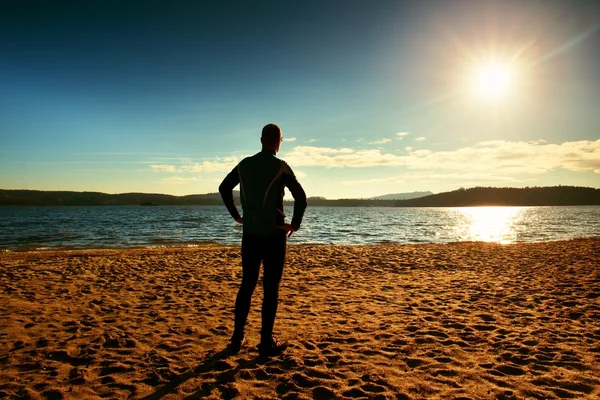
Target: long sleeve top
262, 178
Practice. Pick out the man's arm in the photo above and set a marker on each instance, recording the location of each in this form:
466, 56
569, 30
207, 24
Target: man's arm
226, 189
290, 181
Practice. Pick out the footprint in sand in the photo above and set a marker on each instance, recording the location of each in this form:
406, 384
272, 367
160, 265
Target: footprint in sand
355, 393
312, 361
508, 370
308, 345
579, 387
315, 373
287, 388
63, 356
414, 362
321, 392
304, 381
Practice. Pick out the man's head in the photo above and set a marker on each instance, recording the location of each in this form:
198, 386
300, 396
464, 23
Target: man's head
271, 137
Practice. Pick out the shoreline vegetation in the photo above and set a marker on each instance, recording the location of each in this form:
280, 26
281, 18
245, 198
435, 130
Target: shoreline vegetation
477, 196
467, 320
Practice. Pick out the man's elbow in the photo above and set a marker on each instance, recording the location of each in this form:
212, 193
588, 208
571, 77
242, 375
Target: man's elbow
223, 188
301, 199
225, 192
304, 204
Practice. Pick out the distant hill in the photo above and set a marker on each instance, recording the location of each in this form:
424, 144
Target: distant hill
483, 196
478, 196
402, 196
60, 198
490, 196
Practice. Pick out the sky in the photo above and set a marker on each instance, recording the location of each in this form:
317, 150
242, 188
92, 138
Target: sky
373, 97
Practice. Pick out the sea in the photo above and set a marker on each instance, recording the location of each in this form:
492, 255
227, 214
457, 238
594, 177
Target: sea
84, 227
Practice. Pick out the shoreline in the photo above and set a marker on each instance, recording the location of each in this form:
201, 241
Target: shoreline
455, 320
208, 244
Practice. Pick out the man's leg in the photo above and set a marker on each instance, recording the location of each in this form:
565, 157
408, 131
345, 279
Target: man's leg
251, 258
274, 258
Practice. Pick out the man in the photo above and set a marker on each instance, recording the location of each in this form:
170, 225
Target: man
262, 178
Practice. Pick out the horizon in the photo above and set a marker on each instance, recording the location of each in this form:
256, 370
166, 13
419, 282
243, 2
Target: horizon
290, 198
373, 98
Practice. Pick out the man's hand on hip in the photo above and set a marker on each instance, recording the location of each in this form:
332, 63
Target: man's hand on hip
289, 229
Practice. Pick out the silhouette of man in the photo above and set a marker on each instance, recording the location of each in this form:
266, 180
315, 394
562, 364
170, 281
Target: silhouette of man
262, 178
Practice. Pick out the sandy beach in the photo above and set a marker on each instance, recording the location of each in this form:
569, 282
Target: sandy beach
432, 321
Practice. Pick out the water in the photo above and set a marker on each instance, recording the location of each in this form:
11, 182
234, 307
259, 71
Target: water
135, 226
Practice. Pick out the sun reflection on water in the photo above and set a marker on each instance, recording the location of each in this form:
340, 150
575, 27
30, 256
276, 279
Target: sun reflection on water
489, 224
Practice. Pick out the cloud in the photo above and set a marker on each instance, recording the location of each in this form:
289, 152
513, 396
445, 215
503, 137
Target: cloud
177, 180
473, 178
382, 141
300, 174
499, 160
292, 139
163, 168
497, 157
224, 164
420, 139
400, 135
343, 157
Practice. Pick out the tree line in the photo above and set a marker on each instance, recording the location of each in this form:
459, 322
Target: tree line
477, 196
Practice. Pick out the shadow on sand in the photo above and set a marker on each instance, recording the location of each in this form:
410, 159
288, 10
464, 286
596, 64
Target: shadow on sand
220, 370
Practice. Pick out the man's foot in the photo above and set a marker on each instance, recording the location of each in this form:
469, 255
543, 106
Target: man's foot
274, 348
236, 343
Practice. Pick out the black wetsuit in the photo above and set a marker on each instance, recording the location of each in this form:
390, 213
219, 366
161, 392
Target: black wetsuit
262, 179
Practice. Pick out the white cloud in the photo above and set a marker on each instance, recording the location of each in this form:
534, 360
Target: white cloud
343, 157
400, 135
500, 160
420, 139
498, 157
163, 168
292, 139
300, 174
225, 164
473, 178
177, 180
382, 141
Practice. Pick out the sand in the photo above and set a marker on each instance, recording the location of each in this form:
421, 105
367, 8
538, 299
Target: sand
432, 321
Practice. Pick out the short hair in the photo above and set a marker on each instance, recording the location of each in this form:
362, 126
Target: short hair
271, 134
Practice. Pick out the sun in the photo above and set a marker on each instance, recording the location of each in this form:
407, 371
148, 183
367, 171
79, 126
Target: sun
493, 80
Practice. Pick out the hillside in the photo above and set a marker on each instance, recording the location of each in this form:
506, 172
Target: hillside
402, 196
490, 196
478, 196
60, 198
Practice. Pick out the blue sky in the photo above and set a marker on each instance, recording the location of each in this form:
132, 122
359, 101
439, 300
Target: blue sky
373, 97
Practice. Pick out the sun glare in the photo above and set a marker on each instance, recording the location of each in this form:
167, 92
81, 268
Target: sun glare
493, 81
490, 224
